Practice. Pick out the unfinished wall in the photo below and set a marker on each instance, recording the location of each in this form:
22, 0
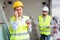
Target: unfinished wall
56, 8
31, 8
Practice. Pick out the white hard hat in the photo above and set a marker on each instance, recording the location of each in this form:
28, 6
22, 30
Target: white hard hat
45, 8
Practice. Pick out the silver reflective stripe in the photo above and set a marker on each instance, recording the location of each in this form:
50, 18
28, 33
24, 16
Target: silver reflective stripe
19, 34
22, 39
43, 27
25, 39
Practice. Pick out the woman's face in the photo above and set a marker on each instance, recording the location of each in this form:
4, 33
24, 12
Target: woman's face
19, 11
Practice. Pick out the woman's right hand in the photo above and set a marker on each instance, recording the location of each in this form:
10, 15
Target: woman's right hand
16, 15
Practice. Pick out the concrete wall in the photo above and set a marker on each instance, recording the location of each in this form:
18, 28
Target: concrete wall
56, 8
31, 8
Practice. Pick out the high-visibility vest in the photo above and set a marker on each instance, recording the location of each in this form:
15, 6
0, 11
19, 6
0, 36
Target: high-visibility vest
43, 25
21, 33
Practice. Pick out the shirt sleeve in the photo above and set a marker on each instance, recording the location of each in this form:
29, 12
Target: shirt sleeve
51, 23
14, 25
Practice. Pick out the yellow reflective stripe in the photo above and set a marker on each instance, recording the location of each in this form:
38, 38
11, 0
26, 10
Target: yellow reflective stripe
45, 31
45, 28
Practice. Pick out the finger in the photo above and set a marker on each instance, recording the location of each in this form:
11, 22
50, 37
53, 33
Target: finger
16, 13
